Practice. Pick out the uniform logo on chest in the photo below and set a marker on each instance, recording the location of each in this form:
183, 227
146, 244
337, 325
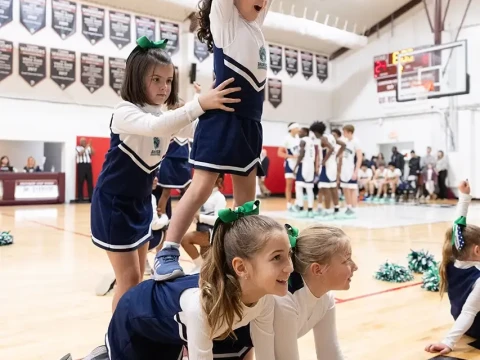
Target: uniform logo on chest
156, 147
262, 64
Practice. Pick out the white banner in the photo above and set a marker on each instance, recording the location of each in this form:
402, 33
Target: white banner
36, 189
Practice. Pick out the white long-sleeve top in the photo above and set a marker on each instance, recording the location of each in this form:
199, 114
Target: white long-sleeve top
295, 315
472, 306
209, 210
260, 317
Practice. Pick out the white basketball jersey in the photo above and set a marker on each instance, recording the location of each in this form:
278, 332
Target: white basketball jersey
292, 144
332, 159
309, 158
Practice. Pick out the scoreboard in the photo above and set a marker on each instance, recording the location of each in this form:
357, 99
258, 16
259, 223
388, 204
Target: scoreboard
385, 70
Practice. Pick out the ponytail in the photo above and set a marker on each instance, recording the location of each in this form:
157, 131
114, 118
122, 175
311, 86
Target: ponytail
220, 289
447, 258
204, 34
243, 237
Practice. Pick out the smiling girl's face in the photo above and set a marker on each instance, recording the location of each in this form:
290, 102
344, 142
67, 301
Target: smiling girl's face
158, 83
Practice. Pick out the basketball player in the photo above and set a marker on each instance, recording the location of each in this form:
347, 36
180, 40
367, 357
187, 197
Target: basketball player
379, 182
305, 173
328, 175
393, 180
365, 175
289, 152
352, 159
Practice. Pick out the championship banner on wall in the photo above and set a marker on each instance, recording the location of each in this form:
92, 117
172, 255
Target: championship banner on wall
170, 31
276, 58
120, 28
145, 26
291, 61
62, 67
275, 92
32, 61
92, 71
6, 59
306, 59
33, 14
116, 69
64, 18
322, 67
200, 49
6, 12
93, 23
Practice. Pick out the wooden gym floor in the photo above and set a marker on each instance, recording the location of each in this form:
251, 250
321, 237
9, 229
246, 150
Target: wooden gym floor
48, 307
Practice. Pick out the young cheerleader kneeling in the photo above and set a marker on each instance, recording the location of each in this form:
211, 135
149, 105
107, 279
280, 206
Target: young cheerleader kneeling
249, 258
322, 262
460, 275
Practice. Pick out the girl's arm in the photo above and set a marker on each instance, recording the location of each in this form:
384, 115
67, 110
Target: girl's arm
261, 329
187, 131
130, 119
222, 11
466, 318
285, 328
200, 346
325, 334
221, 203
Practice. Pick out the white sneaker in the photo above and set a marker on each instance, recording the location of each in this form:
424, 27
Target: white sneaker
105, 285
160, 223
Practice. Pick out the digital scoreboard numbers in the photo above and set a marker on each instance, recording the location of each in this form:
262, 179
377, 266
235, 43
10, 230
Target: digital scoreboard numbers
385, 71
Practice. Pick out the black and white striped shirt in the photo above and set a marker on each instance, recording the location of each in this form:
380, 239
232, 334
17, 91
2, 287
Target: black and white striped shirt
86, 156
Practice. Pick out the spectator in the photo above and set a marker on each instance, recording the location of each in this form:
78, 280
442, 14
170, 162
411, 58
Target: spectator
428, 159
31, 166
414, 164
5, 165
398, 159
442, 170
84, 168
430, 179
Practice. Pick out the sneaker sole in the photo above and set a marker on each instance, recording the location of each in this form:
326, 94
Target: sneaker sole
162, 277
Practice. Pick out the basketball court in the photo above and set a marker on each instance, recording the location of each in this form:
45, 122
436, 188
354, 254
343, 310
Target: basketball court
49, 275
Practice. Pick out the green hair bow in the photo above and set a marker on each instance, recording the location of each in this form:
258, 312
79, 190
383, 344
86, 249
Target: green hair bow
229, 216
292, 235
457, 232
145, 43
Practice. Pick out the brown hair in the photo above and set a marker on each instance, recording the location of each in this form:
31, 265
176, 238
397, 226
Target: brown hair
219, 285
317, 244
349, 128
138, 63
471, 237
204, 34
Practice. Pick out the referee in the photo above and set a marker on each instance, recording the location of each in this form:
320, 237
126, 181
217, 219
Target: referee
84, 168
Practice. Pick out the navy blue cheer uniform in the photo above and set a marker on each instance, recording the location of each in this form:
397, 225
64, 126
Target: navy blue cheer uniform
175, 171
227, 142
121, 210
155, 320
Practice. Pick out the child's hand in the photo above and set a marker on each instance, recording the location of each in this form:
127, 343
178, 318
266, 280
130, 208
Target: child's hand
197, 87
438, 348
464, 187
216, 98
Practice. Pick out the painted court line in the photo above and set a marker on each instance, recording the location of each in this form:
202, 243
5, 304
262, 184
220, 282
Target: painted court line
338, 301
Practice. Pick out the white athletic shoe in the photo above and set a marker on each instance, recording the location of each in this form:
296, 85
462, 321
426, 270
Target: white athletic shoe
160, 223
105, 285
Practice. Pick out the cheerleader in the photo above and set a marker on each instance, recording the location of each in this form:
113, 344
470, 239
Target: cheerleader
121, 210
225, 142
460, 276
322, 260
249, 261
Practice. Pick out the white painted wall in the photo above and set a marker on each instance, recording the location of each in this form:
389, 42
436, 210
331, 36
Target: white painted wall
354, 98
19, 151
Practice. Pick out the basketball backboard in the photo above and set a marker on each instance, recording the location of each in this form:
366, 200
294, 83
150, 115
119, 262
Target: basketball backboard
433, 72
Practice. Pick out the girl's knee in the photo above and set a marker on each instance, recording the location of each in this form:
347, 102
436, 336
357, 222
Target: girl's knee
130, 278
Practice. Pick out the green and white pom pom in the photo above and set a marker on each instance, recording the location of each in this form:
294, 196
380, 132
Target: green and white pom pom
431, 279
393, 273
6, 238
420, 261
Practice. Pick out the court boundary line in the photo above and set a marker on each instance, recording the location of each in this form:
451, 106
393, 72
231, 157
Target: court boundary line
337, 300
